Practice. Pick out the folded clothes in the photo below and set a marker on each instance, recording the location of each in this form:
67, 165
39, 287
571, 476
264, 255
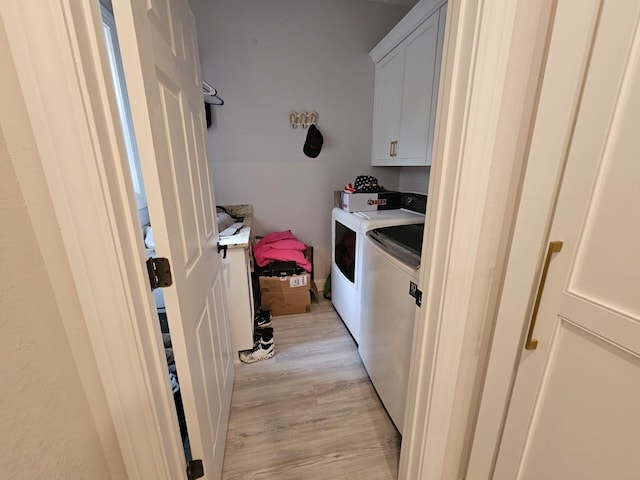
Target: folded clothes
281, 246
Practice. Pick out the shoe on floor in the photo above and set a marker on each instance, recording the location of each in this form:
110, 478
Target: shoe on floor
263, 313
262, 322
263, 343
263, 318
259, 352
263, 331
264, 339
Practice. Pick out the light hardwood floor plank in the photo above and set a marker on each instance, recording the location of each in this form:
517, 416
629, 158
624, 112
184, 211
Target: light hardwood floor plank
310, 412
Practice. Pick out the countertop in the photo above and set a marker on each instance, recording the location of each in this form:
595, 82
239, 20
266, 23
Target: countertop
242, 238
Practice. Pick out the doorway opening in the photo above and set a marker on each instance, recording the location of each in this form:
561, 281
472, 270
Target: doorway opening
120, 88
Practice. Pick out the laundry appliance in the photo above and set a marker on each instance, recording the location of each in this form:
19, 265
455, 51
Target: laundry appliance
349, 230
391, 272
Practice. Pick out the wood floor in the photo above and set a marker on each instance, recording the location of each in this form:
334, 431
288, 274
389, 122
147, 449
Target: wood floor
310, 412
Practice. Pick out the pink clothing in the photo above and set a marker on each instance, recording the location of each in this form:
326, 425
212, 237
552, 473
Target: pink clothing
282, 246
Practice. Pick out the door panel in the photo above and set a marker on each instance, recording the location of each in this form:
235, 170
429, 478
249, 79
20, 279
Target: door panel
225, 352
574, 424
417, 90
172, 106
573, 410
159, 47
608, 236
387, 104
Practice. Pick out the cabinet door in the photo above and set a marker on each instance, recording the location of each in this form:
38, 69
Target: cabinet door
237, 275
419, 94
387, 106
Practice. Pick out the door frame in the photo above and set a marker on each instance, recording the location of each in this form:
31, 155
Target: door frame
74, 116
64, 74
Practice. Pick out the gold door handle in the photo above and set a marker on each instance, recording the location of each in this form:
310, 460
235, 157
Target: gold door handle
554, 247
391, 149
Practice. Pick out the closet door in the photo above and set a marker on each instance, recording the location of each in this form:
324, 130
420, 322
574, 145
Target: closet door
572, 411
160, 55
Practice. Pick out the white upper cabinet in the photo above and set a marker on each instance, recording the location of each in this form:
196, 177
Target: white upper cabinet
406, 87
386, 127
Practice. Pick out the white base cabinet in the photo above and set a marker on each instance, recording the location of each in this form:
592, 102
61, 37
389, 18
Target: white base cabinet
406, 87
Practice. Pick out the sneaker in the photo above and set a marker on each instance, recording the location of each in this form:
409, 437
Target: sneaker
262, 323
264, 343
259, 352
263, 331
175, 386
264, 339
262, 313
263, 318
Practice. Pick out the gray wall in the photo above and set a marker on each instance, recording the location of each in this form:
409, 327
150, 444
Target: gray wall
268, 58
414, 179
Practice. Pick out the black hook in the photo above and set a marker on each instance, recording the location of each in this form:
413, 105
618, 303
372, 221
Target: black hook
217, 98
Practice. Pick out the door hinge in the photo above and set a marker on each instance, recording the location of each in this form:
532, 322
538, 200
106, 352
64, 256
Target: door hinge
415, 293
159, 271
224, 250
195, 469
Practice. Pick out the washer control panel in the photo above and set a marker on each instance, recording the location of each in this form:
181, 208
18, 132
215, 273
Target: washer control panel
416, 202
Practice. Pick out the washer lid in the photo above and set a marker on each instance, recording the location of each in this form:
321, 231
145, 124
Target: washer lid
362, 222
390, 216
404, 242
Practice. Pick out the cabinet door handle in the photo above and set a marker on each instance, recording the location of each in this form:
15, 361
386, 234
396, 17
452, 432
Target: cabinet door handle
554, 247
391, 149
394, 149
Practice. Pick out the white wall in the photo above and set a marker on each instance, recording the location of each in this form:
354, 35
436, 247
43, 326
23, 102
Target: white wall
53, 409
48, 430
269, 58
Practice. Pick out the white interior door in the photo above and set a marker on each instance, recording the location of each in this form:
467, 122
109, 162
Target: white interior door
574, 407
160, 56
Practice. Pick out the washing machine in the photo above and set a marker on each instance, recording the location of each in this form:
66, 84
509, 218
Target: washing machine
348, 231
391, 271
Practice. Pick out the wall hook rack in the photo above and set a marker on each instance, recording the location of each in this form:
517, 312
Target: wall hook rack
302, 119
211, 95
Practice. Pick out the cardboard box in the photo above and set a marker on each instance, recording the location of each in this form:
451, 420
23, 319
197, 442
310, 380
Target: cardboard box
286, 295
367, 202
